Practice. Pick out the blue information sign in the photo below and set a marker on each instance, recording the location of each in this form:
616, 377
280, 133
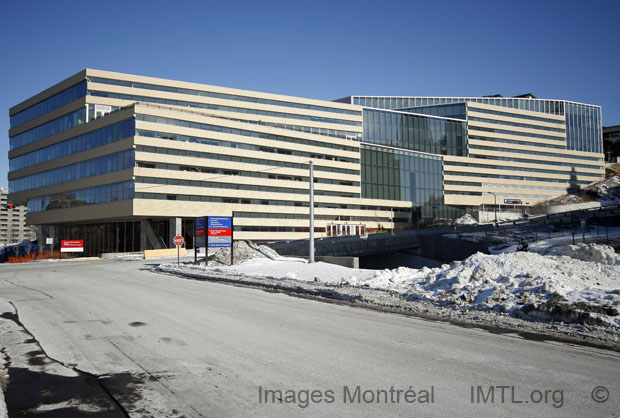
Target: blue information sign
200, 231
219, 231
201, 223
220, 222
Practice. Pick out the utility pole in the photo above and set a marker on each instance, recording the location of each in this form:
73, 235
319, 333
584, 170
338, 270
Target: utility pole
495, 206
311, 243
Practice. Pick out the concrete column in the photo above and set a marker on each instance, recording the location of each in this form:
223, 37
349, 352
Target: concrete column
176, 226
143, 226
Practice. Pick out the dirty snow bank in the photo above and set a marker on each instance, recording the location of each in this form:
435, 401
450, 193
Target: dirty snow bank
243, 251
523, 284
597, 253
4, 381
607, 191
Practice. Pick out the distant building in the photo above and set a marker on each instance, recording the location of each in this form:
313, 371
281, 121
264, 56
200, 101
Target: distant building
13, 222
611, 143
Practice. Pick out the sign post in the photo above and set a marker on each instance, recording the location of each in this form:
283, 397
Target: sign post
178, 241
219, 233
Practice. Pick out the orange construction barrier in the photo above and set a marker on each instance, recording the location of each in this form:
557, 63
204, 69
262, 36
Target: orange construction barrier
41, 255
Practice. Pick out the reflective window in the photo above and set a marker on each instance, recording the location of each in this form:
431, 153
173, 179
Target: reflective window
595, 165
583, 127
93, 139
410, 176
49, 104
89, 168
76, 198
415, 132
249, 160
567, 171
456, 111
55, 126
519, 125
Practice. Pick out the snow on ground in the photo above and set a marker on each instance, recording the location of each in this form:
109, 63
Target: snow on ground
586, 252
606, 191
466, 219
4, 381
578, 283
293, 269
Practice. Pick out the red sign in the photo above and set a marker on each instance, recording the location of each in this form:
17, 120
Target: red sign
72, 246
220, 232
178, 240
200, 232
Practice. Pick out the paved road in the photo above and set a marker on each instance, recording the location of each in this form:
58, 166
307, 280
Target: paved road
164, 346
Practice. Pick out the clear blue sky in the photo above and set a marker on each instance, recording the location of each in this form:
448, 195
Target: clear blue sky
321, 49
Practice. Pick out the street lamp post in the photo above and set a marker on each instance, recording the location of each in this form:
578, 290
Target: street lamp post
495, 205
311, 243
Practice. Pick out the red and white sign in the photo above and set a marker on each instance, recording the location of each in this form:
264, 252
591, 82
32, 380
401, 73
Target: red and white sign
178, 240
72, 246
220, 232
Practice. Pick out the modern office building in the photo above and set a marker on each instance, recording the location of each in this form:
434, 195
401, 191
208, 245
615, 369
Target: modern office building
13, 227
611, 143
127, 161
496, 150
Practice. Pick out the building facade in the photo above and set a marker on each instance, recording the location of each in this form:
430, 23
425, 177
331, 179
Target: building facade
13, 227
127, 161
494, 150
611, 143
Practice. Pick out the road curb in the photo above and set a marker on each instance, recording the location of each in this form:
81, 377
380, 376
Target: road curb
388, 302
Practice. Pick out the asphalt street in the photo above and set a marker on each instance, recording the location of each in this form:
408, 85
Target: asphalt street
152, 345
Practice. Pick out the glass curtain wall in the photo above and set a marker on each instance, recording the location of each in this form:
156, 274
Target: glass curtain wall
456, 111
415, 132
584, 127
410, 176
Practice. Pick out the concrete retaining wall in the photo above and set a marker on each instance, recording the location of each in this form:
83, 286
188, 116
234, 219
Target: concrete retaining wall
351, 262
425, 243
166, 252
550, 210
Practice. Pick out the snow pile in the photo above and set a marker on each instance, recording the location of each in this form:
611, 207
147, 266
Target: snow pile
283, 269
522, 283
466, 219
597, 253
607, 191
577, 283
243, 250
4, 381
